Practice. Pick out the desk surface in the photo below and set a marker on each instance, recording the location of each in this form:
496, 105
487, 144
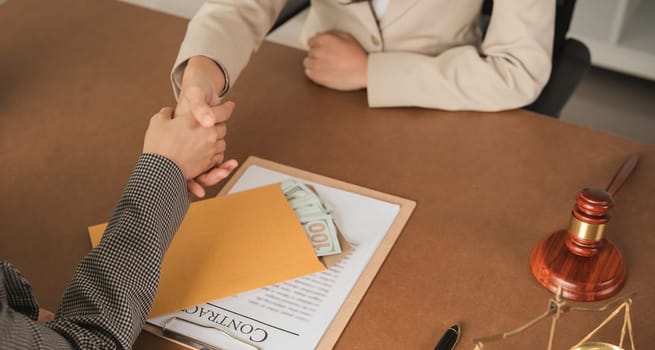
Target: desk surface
79, 80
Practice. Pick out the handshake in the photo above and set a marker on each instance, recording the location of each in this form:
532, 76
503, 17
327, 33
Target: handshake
193, 135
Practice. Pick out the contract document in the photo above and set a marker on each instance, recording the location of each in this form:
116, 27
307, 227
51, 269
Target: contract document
294, 314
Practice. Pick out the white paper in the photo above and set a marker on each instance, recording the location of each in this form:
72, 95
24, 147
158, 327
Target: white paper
295, 314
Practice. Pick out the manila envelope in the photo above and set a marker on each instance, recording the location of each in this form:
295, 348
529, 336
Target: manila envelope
231, 244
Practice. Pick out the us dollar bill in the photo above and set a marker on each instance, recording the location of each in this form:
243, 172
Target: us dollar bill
314, 216
322, 234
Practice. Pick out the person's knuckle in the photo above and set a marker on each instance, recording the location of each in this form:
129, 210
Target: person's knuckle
220, 114
221, 131
211, 139
209, 162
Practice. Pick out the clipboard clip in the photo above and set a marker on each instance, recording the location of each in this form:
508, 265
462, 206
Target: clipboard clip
197, 343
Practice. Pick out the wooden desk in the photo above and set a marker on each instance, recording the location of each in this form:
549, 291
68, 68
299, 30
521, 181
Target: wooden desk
79, 80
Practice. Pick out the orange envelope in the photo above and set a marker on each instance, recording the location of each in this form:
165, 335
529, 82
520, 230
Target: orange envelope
228, 245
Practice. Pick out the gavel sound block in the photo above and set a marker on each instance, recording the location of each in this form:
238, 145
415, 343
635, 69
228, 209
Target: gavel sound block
579, 260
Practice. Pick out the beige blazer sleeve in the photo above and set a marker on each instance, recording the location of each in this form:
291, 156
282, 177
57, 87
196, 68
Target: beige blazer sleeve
227, 31
431, 54
509, 70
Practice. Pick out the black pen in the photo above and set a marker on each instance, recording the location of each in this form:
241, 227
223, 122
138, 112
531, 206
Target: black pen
449, 339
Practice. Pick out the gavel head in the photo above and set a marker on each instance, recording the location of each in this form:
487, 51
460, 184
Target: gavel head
589, 217
579, 262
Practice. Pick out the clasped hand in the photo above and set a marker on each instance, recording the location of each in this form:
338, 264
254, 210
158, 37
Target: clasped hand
336, 60
193, 135
196, 149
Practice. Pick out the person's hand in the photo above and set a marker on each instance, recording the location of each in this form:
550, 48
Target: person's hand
211, 177
45, 315
336, 60
202, 82
197, 150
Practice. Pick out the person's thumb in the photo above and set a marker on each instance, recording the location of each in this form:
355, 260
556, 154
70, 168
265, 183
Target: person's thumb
200, 108
165, 113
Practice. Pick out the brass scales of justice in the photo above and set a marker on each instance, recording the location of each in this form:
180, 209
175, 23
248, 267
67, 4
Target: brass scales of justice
580, 264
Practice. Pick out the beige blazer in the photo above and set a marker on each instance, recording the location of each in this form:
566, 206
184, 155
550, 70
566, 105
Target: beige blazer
425, 53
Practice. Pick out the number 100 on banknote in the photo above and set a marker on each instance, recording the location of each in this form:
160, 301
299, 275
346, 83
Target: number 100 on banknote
314, 215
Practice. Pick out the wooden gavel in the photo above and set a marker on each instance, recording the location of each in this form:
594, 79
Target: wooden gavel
580, 260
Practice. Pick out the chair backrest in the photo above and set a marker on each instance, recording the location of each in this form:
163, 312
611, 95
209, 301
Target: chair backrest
571, 60
290, 9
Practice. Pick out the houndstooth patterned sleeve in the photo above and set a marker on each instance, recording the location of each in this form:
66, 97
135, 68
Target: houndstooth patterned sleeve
106, 303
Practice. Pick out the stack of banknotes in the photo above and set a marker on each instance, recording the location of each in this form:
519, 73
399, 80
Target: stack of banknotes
314, 216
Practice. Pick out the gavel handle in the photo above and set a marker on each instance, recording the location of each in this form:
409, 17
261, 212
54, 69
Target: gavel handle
622, 175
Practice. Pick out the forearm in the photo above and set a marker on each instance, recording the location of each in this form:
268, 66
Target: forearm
507, 71
113, 287
457, 80
228, 32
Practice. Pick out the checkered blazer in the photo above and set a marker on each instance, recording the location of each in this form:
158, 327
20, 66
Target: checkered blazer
106, 303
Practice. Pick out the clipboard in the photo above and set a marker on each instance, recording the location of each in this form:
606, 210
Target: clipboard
338, 323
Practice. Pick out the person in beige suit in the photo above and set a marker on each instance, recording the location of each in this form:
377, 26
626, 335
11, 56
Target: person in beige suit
424, 53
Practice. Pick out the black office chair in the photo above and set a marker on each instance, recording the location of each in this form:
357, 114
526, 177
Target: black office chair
290, 9
571, 61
